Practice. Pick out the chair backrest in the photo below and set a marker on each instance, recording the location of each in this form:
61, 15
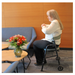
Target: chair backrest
12, 67
25, 31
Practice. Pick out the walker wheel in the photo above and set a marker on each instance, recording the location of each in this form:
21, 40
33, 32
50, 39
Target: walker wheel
60, 68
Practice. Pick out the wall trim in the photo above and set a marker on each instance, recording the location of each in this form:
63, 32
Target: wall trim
66, 48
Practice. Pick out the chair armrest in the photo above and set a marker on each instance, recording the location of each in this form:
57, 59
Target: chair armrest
32, 39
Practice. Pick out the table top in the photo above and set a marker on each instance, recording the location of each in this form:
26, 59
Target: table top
4, 45
8, 55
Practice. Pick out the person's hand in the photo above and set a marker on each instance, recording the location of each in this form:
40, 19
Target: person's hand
43, 25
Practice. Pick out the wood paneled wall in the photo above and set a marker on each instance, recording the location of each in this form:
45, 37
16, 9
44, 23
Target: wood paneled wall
34, 14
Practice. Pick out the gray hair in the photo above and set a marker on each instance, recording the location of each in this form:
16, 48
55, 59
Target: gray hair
52, 13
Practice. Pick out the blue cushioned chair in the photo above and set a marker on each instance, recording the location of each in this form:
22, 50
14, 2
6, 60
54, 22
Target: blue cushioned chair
12, 67
28, 32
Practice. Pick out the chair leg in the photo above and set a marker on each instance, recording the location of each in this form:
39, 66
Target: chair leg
58, 58
43, 60
23, 65
60, 68
14, 71
42, 64
17, 69
29, 62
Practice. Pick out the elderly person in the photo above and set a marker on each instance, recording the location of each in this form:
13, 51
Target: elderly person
51, 31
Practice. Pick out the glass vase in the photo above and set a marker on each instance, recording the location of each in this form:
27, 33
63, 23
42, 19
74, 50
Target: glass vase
17, 52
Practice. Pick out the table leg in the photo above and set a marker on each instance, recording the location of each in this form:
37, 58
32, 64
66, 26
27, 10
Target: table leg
23, 65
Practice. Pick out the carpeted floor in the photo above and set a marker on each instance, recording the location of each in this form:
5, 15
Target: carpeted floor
66, 60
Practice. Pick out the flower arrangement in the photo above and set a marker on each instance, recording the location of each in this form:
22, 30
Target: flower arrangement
17, 41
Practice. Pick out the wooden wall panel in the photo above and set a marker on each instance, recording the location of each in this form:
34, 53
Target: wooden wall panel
34, 14
22, 14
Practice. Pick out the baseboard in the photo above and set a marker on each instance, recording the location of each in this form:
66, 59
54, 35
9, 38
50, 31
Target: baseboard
66, 48
60, 48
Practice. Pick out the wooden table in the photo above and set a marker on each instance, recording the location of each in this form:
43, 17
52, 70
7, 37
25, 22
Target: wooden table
8, 55
5, 45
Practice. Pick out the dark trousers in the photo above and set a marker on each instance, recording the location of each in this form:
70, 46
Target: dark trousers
38, 47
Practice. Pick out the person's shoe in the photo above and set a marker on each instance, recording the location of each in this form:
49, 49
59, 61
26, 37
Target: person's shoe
37, 64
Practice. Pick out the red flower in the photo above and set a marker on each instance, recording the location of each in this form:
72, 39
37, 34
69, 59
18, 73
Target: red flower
19, 42
23, 38
17, 36
11, 38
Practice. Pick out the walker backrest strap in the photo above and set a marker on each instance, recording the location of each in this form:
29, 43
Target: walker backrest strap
57, 37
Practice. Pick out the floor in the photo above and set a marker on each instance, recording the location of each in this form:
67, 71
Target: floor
66, 60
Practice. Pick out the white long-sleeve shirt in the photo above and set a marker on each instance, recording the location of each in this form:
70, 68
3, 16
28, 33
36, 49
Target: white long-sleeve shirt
52, 30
